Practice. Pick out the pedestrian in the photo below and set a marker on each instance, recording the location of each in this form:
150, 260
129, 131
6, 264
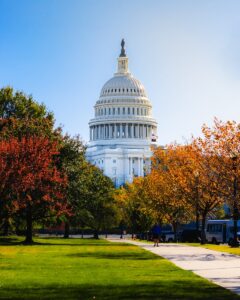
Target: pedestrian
156, 231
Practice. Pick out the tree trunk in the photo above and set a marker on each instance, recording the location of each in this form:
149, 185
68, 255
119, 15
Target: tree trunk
203, 235
96, 234
175, 227
235, 214
29, 239
6, 224
66, 230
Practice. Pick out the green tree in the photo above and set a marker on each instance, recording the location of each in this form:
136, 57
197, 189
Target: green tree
98, 206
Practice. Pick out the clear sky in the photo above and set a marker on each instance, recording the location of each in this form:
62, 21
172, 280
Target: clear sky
185, 52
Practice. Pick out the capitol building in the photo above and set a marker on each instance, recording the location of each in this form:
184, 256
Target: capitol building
123, 129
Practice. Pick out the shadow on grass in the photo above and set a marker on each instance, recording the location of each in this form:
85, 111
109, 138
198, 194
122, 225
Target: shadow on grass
117, 255
181, 290
48, 241
8, 241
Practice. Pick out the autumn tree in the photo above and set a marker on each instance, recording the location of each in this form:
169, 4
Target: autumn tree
32, 180
21, 116
167, 196
221, 145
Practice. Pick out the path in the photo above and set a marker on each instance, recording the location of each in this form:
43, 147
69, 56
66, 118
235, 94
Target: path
218, 267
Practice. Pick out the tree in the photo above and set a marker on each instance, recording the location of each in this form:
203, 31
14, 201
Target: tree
21, 116
97, 202
133, 203
221, 143
73, 163
167, 196
35, 185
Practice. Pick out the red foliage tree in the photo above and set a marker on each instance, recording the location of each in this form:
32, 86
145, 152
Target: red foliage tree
28, 174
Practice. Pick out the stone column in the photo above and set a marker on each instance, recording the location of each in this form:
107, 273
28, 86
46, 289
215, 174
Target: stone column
132, 130
126, 168
138, 164
115, 130
110, 131
130, 165
138, 131
141, 166
149, 131
121, 131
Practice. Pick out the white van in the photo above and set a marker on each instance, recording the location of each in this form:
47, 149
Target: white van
220, 231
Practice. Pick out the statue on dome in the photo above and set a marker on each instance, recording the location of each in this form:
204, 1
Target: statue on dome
123, 53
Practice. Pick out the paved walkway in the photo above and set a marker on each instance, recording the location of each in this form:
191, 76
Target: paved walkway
218, 267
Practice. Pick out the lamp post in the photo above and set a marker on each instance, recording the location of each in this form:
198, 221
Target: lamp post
235, 208
196, 174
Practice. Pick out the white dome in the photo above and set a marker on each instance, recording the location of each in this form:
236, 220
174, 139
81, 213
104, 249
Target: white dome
123, 84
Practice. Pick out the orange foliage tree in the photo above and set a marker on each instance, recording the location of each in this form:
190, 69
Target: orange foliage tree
30, 179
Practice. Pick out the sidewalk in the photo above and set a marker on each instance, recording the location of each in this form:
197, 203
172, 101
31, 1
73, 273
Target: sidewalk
218, 267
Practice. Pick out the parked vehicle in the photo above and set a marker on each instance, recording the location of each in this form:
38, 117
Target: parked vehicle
190, 236
167, 236
221, 231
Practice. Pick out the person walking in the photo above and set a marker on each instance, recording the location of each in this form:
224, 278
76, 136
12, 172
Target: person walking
156, 231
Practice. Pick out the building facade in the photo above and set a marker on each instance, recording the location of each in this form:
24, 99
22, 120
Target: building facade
123, 129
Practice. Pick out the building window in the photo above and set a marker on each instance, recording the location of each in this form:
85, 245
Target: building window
113, 111
133, 111
123, 111
129, 110
114, 161
109, 111
119, 110
137, 111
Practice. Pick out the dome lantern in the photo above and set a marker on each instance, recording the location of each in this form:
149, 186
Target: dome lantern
122, 61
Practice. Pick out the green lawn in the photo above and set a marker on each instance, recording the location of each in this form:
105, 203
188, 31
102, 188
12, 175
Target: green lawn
90, 269
221, 247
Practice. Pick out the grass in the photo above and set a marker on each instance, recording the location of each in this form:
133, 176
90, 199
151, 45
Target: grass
221, 247
90, 269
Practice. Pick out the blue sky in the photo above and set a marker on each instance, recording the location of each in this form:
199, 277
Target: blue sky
186, 54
